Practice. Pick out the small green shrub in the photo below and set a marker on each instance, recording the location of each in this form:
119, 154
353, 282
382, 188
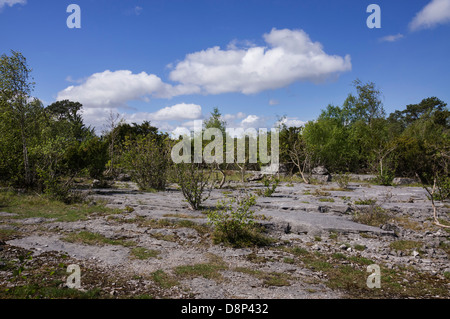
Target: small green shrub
270, 185
6, 197
234, 223
147, 160
443, 188
195, 182
372, 215
365, 202
342, 180
385, 178
405, 245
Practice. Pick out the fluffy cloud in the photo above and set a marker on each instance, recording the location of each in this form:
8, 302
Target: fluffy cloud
181, 111
250, 121
138, 10
434, 13
273, 102
11, 2
115, 89
290, 56
165, 119
233, 117
291, 122
391, 38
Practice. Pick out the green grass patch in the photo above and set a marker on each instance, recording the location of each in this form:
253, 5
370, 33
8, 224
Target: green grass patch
339, 256
361, 260
318, 265
37, 291
320, 192
269, 278
166, 237
163, 279
333, 236
405, 245
298, 251
365, 202
210, 270
326, 199
8, 233
288, 260
349, 275
29, 206
143, 253
251, 236
372, 216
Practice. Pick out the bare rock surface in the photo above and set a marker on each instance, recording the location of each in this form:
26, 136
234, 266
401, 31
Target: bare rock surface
316, 218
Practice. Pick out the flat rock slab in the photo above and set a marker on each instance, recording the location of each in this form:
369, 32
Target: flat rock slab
289, 208
316, 223
111, 255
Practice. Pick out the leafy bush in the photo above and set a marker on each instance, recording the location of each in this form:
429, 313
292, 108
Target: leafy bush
194, 181
147, 160
342, 180
443, 188
270, 185
234, 223
5, 197
372, 215
385, 178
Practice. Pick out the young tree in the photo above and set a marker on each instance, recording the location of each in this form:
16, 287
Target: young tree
195, 182
366, 106
68, 120
147, 159
15, 89
294, 149
114, 121
216, 121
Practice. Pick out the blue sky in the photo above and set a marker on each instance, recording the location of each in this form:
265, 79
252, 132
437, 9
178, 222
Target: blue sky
172, 62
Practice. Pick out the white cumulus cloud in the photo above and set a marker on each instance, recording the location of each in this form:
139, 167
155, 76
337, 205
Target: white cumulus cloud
291, 122
434, 13
115, 89
165, 119
180, 111
290, 56
273, 102
10, 3
391, 38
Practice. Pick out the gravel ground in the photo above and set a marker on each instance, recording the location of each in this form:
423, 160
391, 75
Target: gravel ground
315, 218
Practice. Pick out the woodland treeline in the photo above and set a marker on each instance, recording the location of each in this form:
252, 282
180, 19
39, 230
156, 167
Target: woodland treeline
45, 148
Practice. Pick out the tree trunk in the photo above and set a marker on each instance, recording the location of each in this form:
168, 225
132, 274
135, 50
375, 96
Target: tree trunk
222, 182
25, 156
